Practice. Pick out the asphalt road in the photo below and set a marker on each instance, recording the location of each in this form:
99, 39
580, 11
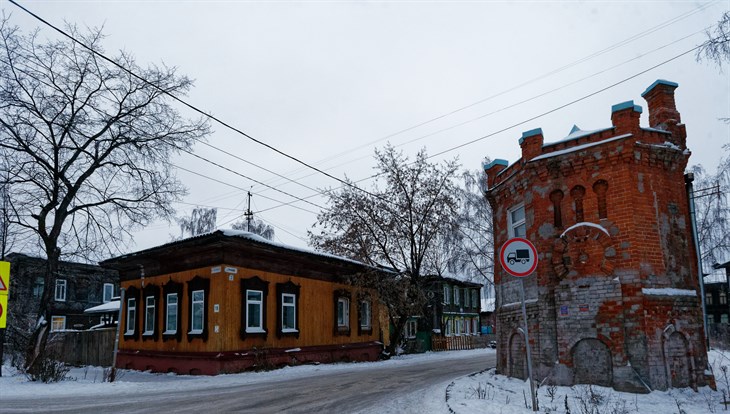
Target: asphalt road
349, 391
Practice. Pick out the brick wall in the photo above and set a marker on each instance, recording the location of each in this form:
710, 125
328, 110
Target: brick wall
608, 213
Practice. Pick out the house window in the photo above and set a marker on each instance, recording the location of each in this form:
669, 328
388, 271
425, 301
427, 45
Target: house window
254, 311
60, 295
467, 298
723, 298
131, 316
38, 287
365, 315
108, 292
447, 294
475, 299
475, 326
723, 318
708, 298
411, 328
457, 296
149, 315
578, 193
601, 188
58, 323
197, 312
172, 294
287, 309
170, 314
516, 221
449, 327
343, 312
198, 289
557, 197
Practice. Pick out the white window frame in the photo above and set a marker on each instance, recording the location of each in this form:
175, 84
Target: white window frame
149, 320
475, 303
54, 320
293, 306
38, 287
449, 326
723, 298
107, 292
197, 303
343, 312
475, 326
131, 316
253, 302
457, 296
511, 226
447, 295
411, 329
467, 298
365, 314
169, 316
60, 292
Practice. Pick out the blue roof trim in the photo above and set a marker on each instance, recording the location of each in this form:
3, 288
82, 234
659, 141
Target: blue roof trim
659, 82
626, 105
498, 161
530, 133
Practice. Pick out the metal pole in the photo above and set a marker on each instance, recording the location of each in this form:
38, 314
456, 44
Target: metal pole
688, 179
527, 347
113, 373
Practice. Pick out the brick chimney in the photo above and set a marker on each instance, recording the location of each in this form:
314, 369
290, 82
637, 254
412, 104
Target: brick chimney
663, 112
625, 117
531, 144
493, 169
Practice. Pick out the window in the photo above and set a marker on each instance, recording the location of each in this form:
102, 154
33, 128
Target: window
131, 316
343, 312
557, 197
38, 287
457, 296
723, 298
288, 312
198, 289
287, 321
254, 311
475, 326
170, 314
108, 292
365, 315
708, 298
601, 188
516, 221
149, 315
58, 323
253, 307
411, 329
60, 295
475, 299
467, 298
723, 318
467, 326
577, 193
447, 294
449, 326
197, 312
172, 294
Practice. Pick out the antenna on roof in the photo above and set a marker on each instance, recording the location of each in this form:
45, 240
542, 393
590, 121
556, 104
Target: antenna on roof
248, 213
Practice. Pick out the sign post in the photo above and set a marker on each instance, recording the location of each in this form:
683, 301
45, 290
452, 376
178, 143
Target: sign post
518, 257
4, 291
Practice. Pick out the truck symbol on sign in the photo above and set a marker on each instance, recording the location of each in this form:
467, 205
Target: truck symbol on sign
519, 255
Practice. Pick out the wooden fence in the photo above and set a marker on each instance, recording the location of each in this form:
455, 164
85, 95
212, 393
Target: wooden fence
84, 347
453, 343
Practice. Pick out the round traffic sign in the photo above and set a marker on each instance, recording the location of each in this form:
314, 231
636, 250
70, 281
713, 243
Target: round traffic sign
518, 257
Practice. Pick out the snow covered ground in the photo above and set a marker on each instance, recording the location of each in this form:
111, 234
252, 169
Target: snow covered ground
482, 392
489, 393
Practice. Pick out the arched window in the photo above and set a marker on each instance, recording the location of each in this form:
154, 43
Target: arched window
577, 193
557, 197
601, 188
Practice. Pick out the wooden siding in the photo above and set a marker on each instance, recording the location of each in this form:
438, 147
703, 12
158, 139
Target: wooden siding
316, 313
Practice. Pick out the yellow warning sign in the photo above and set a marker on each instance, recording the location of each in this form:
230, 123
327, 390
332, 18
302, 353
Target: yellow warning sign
3, 311
4, 278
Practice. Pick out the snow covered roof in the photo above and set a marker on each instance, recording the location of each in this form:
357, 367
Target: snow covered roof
112, 306
579, 147
576, 133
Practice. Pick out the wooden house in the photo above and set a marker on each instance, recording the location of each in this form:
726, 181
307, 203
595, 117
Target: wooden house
230, 300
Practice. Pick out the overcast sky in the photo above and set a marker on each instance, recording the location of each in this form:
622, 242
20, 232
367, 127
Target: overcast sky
327, 82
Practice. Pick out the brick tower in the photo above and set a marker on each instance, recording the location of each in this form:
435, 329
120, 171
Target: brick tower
615, 298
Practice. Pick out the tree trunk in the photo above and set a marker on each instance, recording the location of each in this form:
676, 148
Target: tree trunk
39, 338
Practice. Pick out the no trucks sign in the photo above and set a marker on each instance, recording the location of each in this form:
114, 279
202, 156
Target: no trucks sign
518, 257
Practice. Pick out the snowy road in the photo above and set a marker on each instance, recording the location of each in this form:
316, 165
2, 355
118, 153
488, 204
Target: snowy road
386, 387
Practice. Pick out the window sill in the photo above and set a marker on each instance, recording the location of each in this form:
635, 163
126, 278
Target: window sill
148, 333
196, 332
129, 333
170, 333
257, 331
290, 331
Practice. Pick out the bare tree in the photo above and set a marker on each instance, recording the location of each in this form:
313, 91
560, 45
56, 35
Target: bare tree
201, 220
713, 212
255, 226
395, 224
90, 145
717, 46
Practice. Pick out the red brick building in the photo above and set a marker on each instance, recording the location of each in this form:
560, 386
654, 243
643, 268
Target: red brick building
615, 298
